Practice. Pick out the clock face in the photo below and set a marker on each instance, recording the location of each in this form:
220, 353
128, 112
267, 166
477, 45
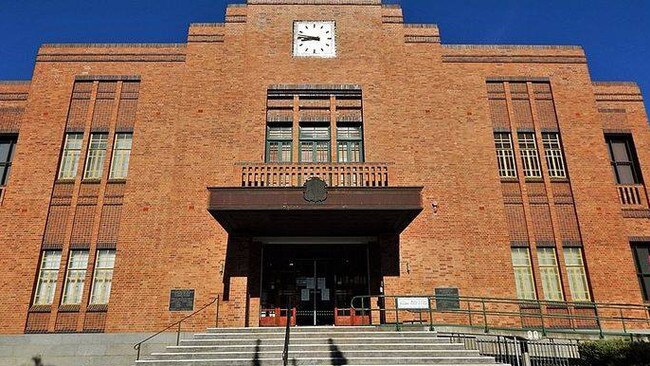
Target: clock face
314, 39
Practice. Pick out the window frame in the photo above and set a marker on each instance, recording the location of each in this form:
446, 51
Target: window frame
106, 294
125, 159
95, 156
348, 141
528, 267
314, 142
578, 269
529, 154
49, 274
633, 161
550, 274
553, 151
69, 154
645, 292
505, 155
12, 139
281, 141
76, 274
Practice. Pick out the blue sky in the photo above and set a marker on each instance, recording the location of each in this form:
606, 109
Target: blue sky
614, 33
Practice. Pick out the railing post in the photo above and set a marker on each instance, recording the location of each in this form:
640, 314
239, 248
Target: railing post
487, 330
137, 349
600, 326
178, 333
285, 351
397, 325
430, 315
620, 312
216, 322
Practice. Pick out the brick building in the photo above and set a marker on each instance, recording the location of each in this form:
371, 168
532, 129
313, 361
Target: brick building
131, 173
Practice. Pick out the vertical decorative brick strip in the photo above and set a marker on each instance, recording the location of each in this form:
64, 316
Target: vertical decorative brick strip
127, 106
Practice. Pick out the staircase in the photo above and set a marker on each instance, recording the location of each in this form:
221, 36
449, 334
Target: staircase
316, 346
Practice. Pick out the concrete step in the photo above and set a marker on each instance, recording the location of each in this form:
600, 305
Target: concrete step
311, 340
359, 353
329, 328
316, 347
317, 334
440, 361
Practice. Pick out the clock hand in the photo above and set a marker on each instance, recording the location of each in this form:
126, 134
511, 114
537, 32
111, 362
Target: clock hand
308, 38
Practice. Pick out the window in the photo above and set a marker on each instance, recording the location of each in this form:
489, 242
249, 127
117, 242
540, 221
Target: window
524, 283
121, 155
279, 143
314, 144
74, 283
529, 156
47, 276
642, 259
550, 275
349, 143
505, 155
622, 156
103, 277
70, 156
554, 157
576, 274
96, 156
7, 148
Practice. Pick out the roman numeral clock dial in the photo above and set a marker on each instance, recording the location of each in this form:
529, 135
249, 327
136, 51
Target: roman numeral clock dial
314, 39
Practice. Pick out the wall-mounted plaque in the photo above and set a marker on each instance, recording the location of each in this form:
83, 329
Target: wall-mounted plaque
413, 303
447, 298
181, 300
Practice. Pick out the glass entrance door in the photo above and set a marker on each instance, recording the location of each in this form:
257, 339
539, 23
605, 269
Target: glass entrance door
316, 279
314, 305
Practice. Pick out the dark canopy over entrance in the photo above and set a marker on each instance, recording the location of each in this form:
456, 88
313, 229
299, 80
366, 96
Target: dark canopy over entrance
290, 211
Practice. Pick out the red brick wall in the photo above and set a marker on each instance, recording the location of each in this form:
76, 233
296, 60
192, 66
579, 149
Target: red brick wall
201, 108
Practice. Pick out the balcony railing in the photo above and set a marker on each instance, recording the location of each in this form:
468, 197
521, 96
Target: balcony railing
632, 196
296, 174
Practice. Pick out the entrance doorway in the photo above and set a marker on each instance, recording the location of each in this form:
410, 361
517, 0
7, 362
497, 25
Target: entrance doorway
317, 279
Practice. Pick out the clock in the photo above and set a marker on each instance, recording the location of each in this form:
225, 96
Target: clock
314, 39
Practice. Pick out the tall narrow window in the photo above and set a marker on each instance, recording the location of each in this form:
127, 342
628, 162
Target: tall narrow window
529, 155
74, 283
623, 158
7, 148
96, 156
279, 143
121, 155
554, 156
550, 274
70, 156
103, 277
642, 259
314, 144
505, 155
524, 283
47, 276
576, 274
349, 141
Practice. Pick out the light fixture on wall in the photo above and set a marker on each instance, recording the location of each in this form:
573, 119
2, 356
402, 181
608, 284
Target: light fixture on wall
434, 206
221, 267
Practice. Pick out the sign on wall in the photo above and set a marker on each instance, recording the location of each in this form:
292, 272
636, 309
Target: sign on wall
181, 300
413, 303
447, 299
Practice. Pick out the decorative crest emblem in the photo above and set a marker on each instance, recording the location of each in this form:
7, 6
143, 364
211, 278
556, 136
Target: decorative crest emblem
315, 190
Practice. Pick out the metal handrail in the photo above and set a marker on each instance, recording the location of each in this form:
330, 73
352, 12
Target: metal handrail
285, 350
483, 307
138, 345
